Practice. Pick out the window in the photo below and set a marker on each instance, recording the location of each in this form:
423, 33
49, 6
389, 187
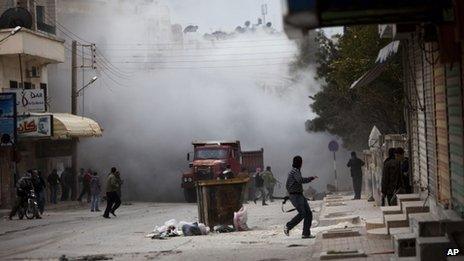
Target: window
27, 85
13, 84
211, 154
44, 20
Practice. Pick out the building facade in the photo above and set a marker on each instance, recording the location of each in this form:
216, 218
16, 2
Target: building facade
44, 138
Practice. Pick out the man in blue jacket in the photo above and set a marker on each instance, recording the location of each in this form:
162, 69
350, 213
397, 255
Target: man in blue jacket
294, 187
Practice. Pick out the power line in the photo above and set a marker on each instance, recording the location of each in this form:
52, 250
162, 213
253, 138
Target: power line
217, 67
202, 61
58, 25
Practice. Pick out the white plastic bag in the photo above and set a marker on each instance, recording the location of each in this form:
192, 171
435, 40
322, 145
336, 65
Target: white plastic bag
240, 219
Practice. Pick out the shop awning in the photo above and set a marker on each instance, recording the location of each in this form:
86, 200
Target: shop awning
384, 56
67, 126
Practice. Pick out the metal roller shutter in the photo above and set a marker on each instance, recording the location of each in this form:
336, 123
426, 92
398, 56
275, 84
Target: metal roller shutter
455, 125
428, 60
443, 181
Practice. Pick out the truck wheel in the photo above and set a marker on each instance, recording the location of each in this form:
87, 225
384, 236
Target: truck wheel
190, 195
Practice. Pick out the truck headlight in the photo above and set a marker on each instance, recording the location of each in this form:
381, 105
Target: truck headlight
189, 179
185, 179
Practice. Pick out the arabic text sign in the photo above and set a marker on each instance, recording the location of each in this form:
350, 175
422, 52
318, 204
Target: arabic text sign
35, 126
29, 100
7, 119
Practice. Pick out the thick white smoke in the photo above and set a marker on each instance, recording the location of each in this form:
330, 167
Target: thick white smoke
229, 89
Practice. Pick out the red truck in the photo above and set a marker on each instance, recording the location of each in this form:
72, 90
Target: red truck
212, 158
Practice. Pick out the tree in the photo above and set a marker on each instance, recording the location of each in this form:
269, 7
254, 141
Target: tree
351, 113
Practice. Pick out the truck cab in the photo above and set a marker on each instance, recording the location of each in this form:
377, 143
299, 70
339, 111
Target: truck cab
210, 160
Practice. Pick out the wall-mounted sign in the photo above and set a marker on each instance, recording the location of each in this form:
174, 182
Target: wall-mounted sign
29, 100
35, 126
7, 119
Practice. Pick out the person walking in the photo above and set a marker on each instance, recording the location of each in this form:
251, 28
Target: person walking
269, 183
39, 187
112, 198
355, 164
53, 181
404, 165
95, 190
294, 186
85, 179
259, 185
67, 182
391, 178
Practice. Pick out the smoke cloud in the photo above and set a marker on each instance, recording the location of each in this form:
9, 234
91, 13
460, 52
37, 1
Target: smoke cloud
165, 94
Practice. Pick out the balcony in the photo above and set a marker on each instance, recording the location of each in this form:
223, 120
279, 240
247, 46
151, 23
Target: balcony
40, 47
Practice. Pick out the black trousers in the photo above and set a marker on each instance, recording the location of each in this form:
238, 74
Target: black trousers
18, 203
112, 202
304, 213
389, 198
357, 185
85, 190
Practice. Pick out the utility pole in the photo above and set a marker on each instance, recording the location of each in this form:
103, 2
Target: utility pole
74, 112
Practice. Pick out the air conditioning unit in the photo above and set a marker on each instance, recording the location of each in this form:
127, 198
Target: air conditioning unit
34, 72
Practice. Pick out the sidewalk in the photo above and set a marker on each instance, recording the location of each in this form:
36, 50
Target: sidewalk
352, 214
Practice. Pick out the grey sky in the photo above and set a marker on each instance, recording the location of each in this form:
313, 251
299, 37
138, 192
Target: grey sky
212, 15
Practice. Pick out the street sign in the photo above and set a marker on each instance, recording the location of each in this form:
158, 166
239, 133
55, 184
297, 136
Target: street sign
29, 100
333, 146
35, 126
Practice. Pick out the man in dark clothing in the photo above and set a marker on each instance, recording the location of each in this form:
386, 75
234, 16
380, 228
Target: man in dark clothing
294, 187
391, 178
65, 186
23, 187
39, 187
404, 163
112, 198
355, 165
54, 181
85, 179
259, 184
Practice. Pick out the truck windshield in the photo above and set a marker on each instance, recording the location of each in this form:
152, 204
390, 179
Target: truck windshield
211, 154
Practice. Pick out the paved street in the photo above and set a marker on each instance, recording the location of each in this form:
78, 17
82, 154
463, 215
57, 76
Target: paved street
77, 232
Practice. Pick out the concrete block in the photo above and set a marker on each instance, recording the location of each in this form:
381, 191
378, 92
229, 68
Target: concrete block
378, 233
399, 220
410, 207
342, 254
432, 248
391, 210
341, 232
407, 197
374, 223
404, 244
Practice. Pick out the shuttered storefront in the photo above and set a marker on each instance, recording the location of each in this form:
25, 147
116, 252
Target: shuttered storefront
455, 126
428, 61
417, 113
454, 101
443, 182
409, 63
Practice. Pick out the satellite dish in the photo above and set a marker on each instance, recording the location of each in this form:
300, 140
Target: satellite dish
17, 16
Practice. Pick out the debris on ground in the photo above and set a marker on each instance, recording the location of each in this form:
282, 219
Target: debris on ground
172, 228
240, 219
223, 229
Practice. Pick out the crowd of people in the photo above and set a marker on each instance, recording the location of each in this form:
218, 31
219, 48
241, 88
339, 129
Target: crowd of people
34, 184
395, 175
262, 185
